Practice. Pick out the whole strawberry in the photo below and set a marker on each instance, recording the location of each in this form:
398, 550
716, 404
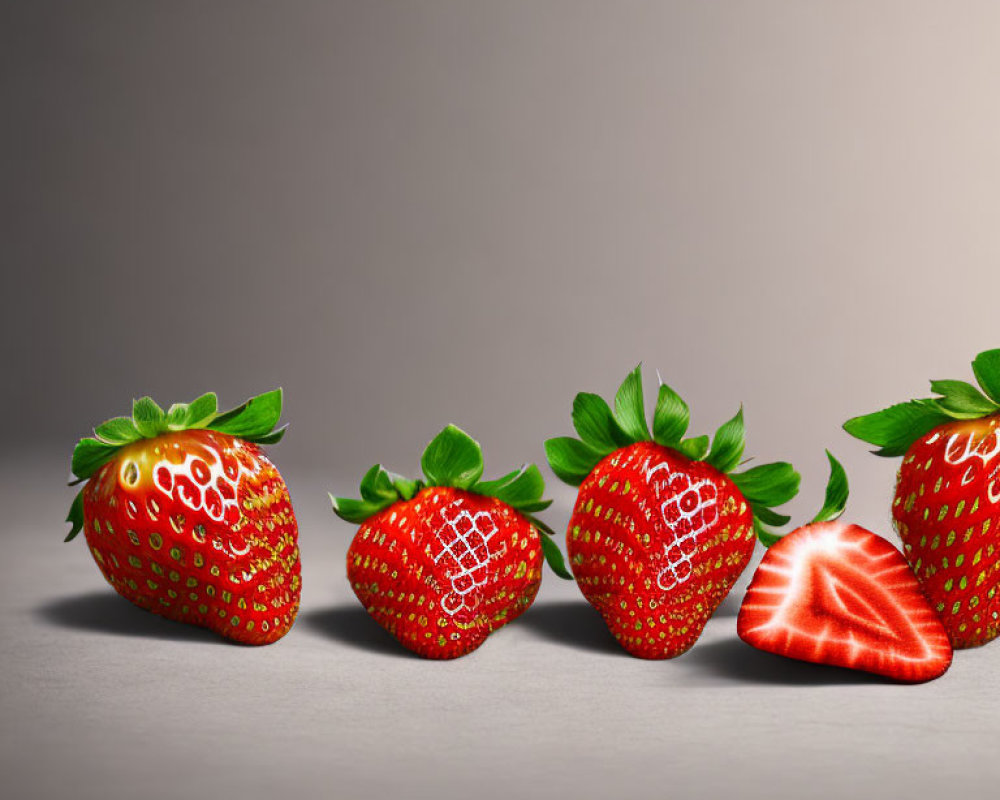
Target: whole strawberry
946, 508
442, 562
187, 518
661, 528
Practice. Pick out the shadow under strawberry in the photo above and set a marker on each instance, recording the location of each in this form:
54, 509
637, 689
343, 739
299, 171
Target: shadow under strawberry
735, 661
730, 607
353, 626
106, 612
573, 623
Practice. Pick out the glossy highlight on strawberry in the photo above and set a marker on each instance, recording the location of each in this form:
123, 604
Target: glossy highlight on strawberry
190, 521
662, 526
443, 562
946, 507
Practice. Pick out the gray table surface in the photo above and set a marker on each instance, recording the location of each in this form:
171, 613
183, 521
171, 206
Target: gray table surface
100, 700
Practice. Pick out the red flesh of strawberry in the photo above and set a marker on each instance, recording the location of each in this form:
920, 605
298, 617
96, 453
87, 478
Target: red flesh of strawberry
197, 526
442, 571
833, 593
656, 541
947, 513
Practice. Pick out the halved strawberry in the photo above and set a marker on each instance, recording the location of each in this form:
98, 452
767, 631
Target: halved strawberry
834, 593
946, 508
186, 517
662, 527
442, 562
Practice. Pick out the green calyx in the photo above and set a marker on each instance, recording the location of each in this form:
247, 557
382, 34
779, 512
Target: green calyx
602, 431
454, 459
894, 429
253, 421
834, 503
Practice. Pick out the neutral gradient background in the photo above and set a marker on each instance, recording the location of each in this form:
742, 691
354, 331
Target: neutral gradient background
410, 213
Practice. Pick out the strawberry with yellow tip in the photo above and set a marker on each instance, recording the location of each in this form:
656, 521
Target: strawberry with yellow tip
187, 518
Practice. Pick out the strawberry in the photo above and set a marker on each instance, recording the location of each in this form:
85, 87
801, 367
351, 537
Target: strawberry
442, 562
662, 527
834, 593
946, 508
187, 518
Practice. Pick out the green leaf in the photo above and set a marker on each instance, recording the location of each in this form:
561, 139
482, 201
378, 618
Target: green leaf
728, 445
571, 459
273, 437
406, 488
542, 527
987, 370
767, 537
959, 397
356, 511
836, 492
630, 410
596, 425
770, 517
526, 488
554, 557
376, 486
694, 448
256, 417
768, 484
90, 455
120, 430
148, 417
671, 417
895, 428
453, 458
202, 410
534, 507
75, 517
491, 487
177, 417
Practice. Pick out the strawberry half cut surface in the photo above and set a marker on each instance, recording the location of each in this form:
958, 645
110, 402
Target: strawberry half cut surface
187, 518
663, 525
946, 507
837, 594
442, 562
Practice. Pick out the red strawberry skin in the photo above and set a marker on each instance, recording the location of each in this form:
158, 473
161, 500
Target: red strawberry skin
442, 571
837, 594
655, 542
947, 513
197, 526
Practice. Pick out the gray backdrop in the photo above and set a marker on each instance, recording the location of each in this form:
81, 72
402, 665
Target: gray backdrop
413, 213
